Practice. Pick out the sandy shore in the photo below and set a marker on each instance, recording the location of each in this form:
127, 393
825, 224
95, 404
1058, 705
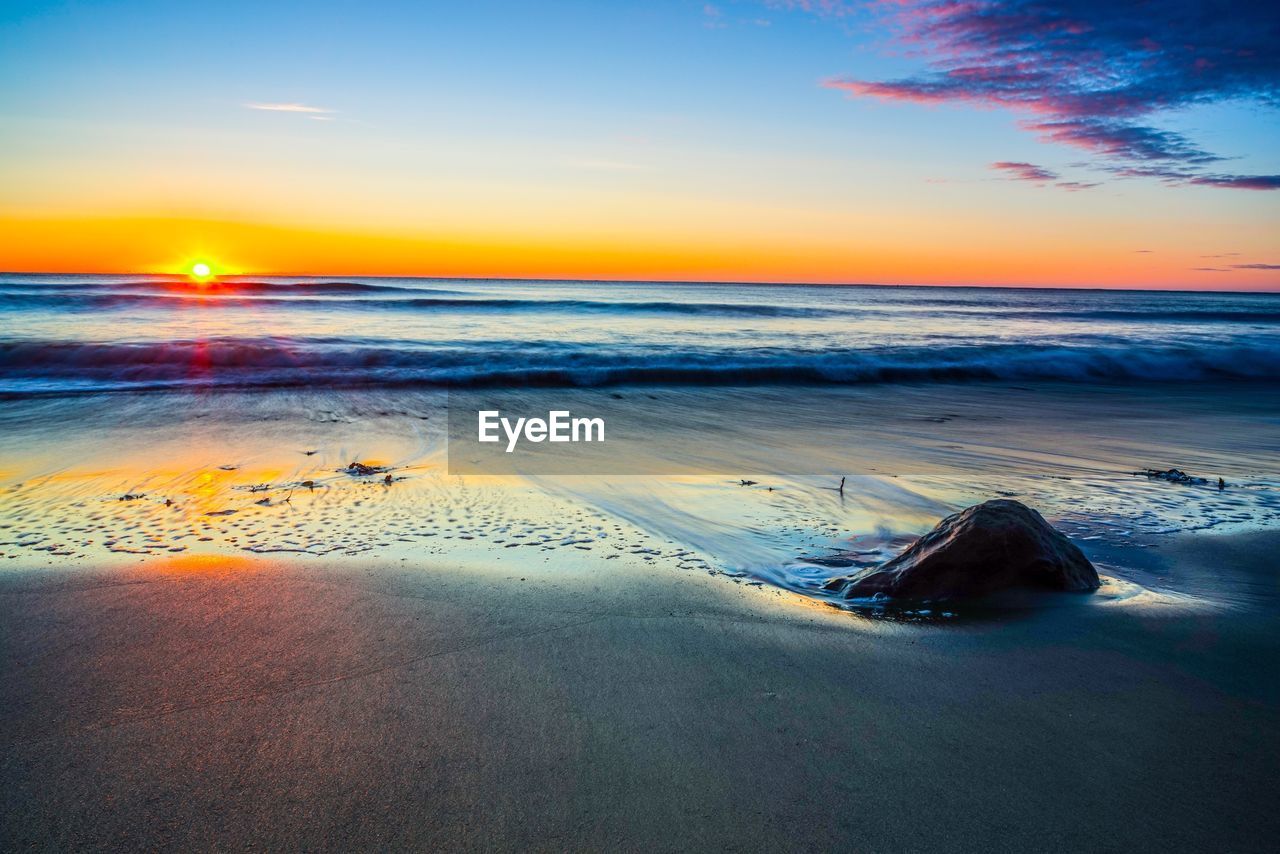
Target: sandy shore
231, 703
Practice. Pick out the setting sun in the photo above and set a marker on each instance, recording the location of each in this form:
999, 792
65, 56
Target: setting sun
200, 271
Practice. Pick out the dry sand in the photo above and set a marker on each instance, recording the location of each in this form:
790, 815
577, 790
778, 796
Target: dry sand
305, 704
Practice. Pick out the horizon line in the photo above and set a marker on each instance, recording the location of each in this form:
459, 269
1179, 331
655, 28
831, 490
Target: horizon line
1271, 290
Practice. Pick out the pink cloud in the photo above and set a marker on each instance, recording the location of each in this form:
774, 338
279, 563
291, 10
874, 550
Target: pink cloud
1091, 74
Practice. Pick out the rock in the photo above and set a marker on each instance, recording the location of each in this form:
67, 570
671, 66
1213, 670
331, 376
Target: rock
992, 546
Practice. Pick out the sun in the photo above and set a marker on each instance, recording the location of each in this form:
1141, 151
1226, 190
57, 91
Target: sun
201, 272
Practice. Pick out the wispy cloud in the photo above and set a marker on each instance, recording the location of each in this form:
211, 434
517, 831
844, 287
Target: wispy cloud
1238, 182
1234, 267
1019, 171
1093, 73
290, 108
1175, 175
1025, 171
1121, 140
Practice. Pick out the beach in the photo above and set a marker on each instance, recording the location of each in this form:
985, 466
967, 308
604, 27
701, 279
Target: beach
765, 426
294, 703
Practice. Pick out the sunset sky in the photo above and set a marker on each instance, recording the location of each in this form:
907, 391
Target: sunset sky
1097, 143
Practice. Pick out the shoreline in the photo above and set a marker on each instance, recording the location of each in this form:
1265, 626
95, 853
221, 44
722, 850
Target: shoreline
271, 472
374, 704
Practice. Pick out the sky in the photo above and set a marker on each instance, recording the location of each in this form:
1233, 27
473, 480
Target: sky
1079, 143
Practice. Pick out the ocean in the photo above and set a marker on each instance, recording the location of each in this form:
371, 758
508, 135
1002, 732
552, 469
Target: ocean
147, 416
70, 333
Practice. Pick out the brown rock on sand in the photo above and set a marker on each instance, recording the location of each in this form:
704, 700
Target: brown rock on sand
992, 546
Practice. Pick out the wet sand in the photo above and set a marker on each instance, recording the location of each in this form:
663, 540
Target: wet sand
210, 701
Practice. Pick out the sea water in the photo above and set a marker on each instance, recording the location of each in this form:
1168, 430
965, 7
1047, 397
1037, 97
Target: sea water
151, 415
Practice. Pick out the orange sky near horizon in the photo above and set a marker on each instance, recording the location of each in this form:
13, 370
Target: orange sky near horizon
171, 244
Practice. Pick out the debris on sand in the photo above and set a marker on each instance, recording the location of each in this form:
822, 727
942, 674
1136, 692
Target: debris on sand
1175, 476
358, 469
132, 496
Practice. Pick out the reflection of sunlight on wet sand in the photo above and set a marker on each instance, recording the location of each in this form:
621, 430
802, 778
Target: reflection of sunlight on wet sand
791, 603
1122, 593
203, 564
281, 500
269, 473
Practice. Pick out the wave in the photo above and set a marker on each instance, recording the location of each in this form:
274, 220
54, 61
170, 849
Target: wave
329, 296
107, 301
644, 307
1153, 315
53, 366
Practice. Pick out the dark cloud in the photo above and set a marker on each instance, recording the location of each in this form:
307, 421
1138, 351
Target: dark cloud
1093, 73
1238, 182
1182, 175
1176, 175
1120, 140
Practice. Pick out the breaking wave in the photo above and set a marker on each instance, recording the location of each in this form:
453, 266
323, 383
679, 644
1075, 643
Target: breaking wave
49, 366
